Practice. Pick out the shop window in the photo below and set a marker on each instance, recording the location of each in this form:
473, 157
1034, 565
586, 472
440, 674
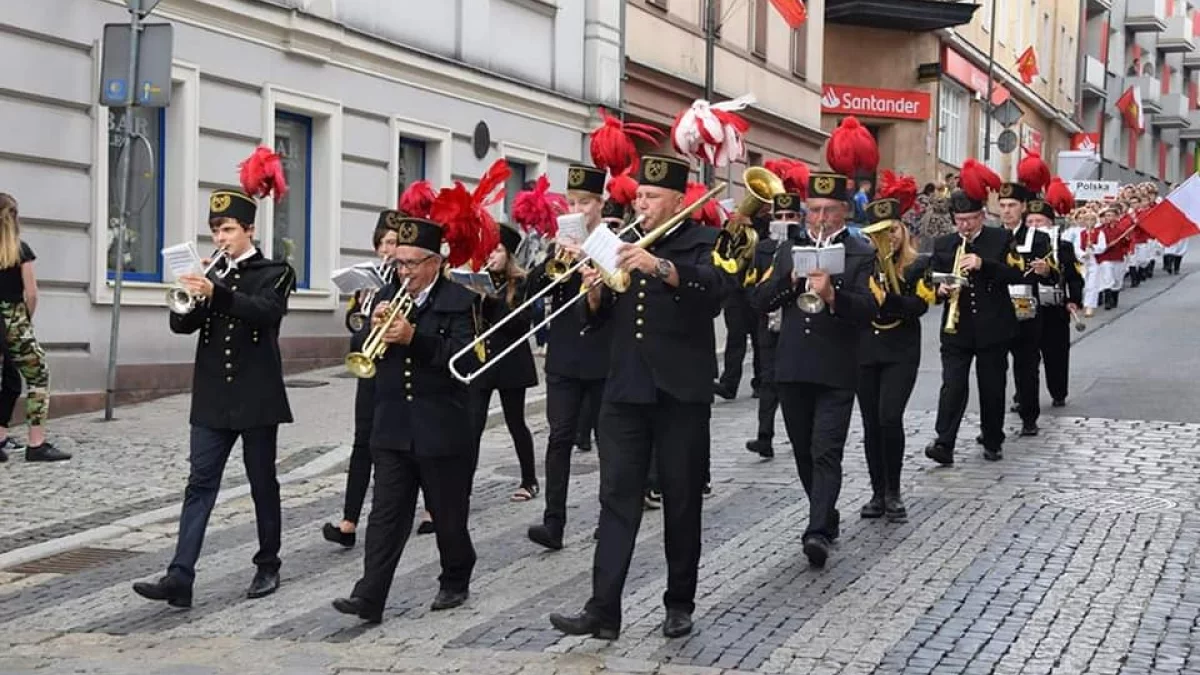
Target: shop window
758, 29
293, 215
144, 229
953, 103
800, 51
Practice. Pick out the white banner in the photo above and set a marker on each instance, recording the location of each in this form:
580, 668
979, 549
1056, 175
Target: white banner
1094, 190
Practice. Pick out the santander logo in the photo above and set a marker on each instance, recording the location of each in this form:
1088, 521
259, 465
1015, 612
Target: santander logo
867, 102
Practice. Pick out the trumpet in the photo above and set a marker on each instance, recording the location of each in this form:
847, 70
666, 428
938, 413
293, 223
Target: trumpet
361, 364
558, 266
808, 301
952, 310
180, 301
362, 313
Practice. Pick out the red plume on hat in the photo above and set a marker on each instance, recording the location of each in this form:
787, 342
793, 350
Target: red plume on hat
1059, 196
538, 209
1033, 172
622, 188
792, 172
262, 174
976, 180
613, 148
899, 187
709, 214
417, 199
852, 149
469, 230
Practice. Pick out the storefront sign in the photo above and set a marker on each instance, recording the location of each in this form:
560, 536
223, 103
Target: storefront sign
958, 67
1094, 190
1031, 139
906, 105
1086, 142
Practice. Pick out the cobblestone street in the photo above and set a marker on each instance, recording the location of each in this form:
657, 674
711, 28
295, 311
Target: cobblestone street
1076, 554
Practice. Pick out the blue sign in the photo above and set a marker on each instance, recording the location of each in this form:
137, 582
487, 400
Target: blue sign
115, 90
147, 91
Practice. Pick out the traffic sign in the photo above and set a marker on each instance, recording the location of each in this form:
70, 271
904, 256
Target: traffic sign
1007, 113
152, 88
1007, 141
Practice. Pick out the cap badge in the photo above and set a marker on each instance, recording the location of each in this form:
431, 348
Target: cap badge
656, 170
219, 203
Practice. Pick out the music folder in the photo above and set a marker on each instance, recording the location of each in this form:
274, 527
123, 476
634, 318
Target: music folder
830, 258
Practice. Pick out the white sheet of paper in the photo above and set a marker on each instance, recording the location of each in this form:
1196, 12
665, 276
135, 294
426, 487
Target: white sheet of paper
351, 279
831, 258
480, 282
571, 228
182, 259
601, 246
804, 259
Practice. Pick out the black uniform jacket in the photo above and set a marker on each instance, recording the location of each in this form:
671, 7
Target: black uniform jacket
894, 336
985, 310
1026, 245
573, 349
238, 379
1069, 272
820, 348
662, 336
419, 406
516, 370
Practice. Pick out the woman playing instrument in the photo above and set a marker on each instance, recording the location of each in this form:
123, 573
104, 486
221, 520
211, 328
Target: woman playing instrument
890, 353
516, 372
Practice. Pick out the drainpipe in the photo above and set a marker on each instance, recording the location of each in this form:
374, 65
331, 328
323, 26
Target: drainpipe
1104, 105
710, 52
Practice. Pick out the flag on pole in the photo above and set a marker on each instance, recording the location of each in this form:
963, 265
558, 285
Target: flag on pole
1176, 217
1027, 66
793, 11
1130, 105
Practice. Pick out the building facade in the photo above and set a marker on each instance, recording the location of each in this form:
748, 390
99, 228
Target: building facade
360, 98
1147, 47
755, 53
917, 73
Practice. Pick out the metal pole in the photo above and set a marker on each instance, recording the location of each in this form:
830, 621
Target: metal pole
987, 105
622, 50
135, 9
710, 50
1103, 118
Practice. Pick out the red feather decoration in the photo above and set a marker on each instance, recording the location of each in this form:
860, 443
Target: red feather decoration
1059, 197
538, 209
1033, 172
417, 199
262, 174
622, 189
976, 180
899, 187
792, 172
613, 148
469, 230
710, 213
852, 149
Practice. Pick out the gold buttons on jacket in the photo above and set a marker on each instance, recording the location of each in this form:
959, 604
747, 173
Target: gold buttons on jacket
229, 378
228, 366
641, 294
641, 282
408, 398
228, 352
637, 335
641, 308
639, 322
408, 373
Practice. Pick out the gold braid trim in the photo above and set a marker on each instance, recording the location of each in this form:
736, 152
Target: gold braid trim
876, 290
926, 292
1015, 260
729, 266
751, 278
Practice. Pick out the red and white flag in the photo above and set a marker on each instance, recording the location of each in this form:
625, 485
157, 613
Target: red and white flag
1176, 217
794, 12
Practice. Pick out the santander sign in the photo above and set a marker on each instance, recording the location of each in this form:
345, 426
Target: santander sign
839, 99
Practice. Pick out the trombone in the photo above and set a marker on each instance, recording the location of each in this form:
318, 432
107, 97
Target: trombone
362, 313
361, 364
180, 301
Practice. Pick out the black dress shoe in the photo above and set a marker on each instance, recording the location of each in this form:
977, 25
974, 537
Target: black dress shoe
583, 445
979, 439
265, 582
426, 527
546, 536
993, 455
447, 599
816, 549
677, 624
894, 510
1029, 430
725, 392
360, 608
176, 592
333, 533
45, 453
873, 508
761, 446
1059, 402
940, 454
1016, 407
583, 623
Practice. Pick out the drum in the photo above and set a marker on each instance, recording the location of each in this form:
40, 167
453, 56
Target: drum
1050, 295
1025, 303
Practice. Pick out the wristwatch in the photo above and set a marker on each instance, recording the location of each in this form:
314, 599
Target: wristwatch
662, 269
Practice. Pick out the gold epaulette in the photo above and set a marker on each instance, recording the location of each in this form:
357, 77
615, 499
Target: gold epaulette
1052, 263
1014, 260
751, 277
926, 292
727, 265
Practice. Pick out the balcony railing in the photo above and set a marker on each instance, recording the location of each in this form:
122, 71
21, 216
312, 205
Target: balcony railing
1192, 131
1147, 16
1151, 89
1093, 77
1178, 36
1174, 112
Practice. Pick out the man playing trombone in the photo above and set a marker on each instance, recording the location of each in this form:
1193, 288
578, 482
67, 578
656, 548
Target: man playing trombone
657, 398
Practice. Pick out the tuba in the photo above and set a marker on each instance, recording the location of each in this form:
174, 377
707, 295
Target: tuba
180, 301
361, 364
739, 239
880, 235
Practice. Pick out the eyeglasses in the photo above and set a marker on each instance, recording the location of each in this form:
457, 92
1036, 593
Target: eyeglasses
411, 265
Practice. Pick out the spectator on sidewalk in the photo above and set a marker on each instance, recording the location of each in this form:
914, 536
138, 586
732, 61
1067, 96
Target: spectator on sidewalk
23, 355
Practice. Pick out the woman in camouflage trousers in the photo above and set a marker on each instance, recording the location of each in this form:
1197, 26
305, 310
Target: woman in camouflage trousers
18, 301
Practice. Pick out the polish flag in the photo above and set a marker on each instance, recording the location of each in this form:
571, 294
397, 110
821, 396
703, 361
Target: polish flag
793, 11
1176, 217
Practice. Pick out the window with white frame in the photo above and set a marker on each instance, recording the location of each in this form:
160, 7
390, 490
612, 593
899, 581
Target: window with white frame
292, 223
516, 183
411, 162
953, 103
147, 184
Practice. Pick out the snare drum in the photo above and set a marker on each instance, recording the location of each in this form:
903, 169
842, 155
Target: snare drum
1025, 303
1050, 295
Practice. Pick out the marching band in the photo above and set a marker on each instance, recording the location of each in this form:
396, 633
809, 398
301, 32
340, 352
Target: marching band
634, 280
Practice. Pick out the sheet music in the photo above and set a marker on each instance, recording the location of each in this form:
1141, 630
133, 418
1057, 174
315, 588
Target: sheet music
601, 246
480, 282
351, 279
571, 228
831, 258
182, 259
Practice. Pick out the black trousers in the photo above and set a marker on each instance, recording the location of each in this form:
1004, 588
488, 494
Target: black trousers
883, 392
991, 370
740, 324
446, 482
675, 431
210, 450
1171, 263
589, 415
817, 418
1027, 365
1055, 349
567, 402
358, 478
512, 401
768, 395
